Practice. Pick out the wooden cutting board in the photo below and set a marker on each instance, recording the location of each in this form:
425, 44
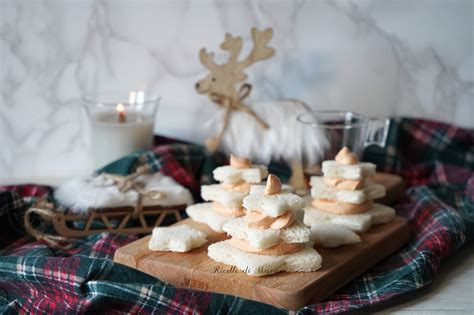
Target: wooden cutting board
287, 290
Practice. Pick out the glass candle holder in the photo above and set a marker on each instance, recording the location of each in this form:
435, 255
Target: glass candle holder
339, 128
120, 125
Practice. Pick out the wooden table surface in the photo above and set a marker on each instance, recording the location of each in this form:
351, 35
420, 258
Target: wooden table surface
452, 290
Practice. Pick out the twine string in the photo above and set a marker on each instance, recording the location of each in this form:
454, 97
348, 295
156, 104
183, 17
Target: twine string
235, 104
127, 183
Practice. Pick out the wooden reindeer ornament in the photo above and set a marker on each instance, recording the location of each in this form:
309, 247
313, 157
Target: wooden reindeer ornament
222, 83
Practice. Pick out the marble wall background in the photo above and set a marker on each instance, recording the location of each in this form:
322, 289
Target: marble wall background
379, 58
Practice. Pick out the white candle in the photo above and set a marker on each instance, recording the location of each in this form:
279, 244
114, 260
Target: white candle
113, 137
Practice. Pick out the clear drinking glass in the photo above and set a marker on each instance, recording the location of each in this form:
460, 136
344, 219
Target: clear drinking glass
340, 128
120, 124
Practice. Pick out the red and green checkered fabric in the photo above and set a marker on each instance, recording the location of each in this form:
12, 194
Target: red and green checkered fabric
436, 160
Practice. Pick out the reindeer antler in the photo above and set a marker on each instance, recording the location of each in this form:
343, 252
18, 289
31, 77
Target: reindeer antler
260, 50
233, 45
207, 59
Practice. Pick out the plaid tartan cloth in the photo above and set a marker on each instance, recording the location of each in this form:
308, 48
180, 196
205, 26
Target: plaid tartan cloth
436, 160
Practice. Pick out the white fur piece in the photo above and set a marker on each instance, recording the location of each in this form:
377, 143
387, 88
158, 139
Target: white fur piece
321, 190
286, 138
177, 238
230, 175
332, 235
273, 205
80, 194
361, 222
358, 171
306, 260
204, 213
265, 238
230, 199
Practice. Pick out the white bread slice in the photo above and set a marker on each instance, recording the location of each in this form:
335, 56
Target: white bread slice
260, 188
361, 222
230, 199
230, 175
381, 214
357, 171
357, 222
321, 190
264, 238
374, 191
332, 235
306, 260
177, 238
204, 213
273, 205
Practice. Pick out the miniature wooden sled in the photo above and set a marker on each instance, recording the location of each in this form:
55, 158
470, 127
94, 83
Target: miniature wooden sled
114, 220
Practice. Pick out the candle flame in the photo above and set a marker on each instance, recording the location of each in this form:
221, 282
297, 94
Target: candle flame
120, 108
